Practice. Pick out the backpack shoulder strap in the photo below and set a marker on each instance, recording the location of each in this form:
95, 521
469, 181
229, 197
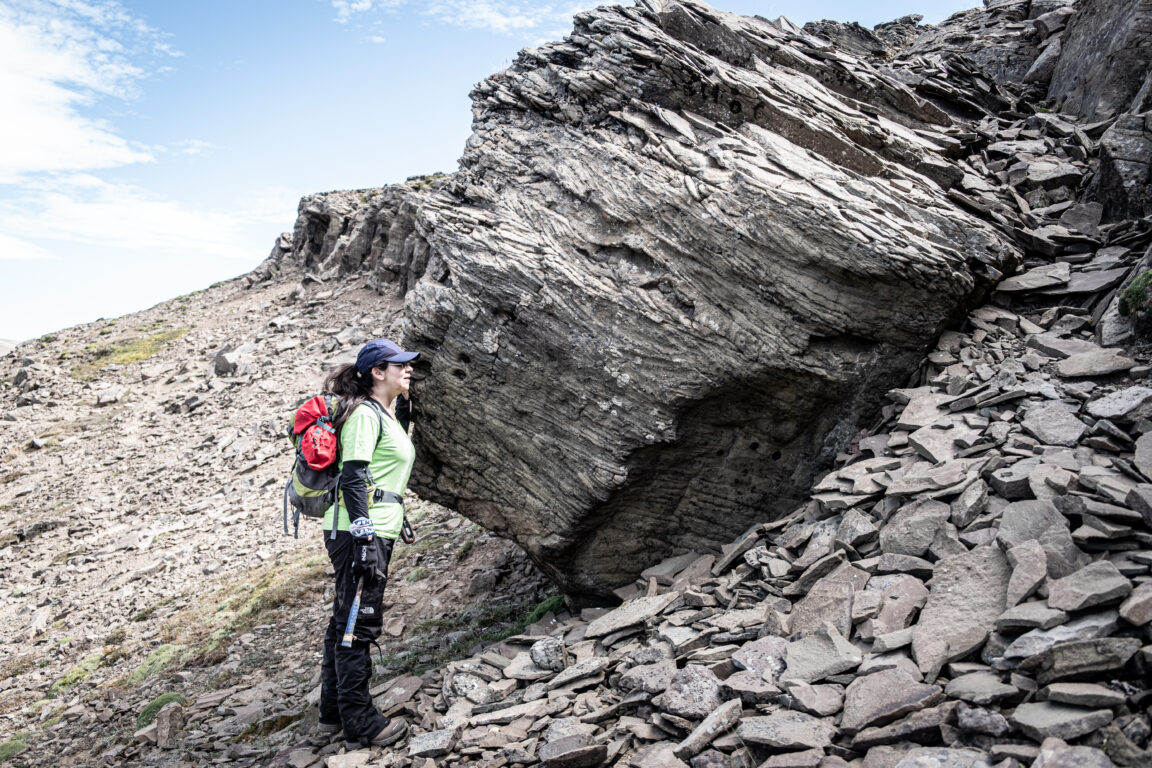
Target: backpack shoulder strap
380, 412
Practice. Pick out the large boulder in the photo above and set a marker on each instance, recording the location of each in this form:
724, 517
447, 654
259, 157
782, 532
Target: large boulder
1105, 65
684, 256
1124, 183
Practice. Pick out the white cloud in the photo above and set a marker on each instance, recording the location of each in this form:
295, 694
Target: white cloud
489, 14
496, 15
192, 147
14, 248
346, 9
82, 210
58, 57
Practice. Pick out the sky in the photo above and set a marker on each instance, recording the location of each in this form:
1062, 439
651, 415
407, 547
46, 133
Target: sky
149, 148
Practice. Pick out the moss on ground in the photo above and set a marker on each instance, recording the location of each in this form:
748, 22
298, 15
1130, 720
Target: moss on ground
148, 713
469, 628
268, 726
13, 746
144, 613
156, 662
1136, 296
87, 666
126, 352
416, 574
206, 627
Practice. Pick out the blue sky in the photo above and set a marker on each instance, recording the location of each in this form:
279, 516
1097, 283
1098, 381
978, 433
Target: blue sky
152, 147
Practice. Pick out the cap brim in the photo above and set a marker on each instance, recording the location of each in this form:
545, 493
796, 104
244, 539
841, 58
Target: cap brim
403, 357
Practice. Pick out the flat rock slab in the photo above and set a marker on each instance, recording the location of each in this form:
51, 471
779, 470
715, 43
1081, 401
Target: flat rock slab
900, 597
650, 678
911, 530
586, 668
1046, 276
1121, 405
918, 727
693, 693
1029, 570
967, 593
433, 743
1081, 657
787, 730
1055, 753
1023, 521
1143, 457
630, 614
1089, 282
764, 655
716, 724
1100, 362
1058, 347
1088, 627
884, 696
939, 441
572, 752
944, 757
1036, 615
1045, 719
981, 688
819, 655
1137, 609
1098, 583
924, 408
1083, 695
1053, 424
818, 700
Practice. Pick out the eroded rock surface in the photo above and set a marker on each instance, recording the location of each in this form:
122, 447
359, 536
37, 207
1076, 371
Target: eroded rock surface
685, 253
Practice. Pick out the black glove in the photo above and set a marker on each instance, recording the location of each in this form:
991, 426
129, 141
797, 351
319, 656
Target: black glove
365, 555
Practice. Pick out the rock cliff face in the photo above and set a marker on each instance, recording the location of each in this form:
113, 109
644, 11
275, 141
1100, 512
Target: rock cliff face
1104, 69
684, 254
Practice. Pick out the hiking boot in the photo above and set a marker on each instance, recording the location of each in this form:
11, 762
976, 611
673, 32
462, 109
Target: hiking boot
392, 732
331, 731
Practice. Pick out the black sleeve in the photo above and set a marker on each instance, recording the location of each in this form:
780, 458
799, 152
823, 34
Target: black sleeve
354, 487
403, 411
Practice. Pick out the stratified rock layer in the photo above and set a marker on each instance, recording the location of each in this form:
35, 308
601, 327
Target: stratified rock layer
685, 253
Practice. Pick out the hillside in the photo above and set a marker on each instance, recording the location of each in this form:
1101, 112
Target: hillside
141, 516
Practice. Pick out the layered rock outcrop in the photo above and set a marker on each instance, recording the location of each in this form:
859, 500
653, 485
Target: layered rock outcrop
686, 250
684, 254
1103, 70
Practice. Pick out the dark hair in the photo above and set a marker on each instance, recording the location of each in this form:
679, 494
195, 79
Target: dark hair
351, 386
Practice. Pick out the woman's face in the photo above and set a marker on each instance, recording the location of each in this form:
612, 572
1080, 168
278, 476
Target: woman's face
397, 376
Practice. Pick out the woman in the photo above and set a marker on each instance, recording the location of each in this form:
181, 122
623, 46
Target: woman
376, 458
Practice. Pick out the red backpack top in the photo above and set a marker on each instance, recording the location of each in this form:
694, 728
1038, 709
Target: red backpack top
313, 433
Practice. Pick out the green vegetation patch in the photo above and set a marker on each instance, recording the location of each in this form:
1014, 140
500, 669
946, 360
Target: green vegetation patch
268, 726
146, 612
148, 714
127, 352
14, 746
204, 628
471, 627
1136, 296
86, 667
416, 574
156, 662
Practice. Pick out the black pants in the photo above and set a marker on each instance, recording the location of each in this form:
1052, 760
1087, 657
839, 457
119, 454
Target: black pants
345, 673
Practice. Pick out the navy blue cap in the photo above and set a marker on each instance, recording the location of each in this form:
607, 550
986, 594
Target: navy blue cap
380, 351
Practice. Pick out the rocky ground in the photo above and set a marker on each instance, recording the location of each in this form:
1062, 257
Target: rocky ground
140, 514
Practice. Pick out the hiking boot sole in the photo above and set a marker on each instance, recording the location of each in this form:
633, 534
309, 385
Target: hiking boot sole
381, 739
